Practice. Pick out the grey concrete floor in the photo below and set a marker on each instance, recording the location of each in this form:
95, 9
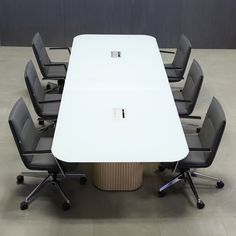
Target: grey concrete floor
141, 212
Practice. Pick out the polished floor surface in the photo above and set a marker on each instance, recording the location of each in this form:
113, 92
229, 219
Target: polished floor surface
141, 212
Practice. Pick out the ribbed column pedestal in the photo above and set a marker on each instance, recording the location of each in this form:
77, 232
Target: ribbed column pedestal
118, 176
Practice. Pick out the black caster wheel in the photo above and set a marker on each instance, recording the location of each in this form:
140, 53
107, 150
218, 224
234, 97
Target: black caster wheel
83, 180
220, 184
161, 193
19, 179
48, 87
24, 205
41, 122
66, 206
161, 168
200, 204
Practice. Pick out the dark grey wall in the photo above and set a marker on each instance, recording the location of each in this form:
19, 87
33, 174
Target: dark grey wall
207, 23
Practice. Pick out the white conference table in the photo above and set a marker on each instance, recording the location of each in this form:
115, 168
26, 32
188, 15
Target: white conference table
117, 104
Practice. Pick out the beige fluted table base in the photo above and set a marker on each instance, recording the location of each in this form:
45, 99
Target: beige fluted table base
118, 176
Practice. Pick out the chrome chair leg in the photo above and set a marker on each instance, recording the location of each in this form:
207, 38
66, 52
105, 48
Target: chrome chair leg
36, 174
175, 180
71, 175
200, 203
202, 176
58, 186
54, 180
37, 189
82, 177
219, 182
24, 204
66, 205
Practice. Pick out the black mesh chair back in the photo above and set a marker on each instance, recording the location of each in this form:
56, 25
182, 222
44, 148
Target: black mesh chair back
40, 53
23, 130
212, 129
34, 87
192, 86
182, 55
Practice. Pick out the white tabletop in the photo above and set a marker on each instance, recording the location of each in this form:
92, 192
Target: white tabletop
90, 125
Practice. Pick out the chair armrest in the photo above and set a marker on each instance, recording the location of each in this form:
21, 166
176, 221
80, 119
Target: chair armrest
199, 149
173, 68
58, 77
56, 64
36, 152
165, 51
61, 48
49, 101
182, 100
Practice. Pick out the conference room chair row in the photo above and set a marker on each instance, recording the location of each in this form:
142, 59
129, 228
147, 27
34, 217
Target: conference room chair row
57, 70
34, 144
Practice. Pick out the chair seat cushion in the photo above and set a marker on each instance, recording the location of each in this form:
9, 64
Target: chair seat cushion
57, 71
195, 159
182, 107
177, 94
44, 143
52, 96
50, 110
47, 161
44, 161
173, 75
168, 66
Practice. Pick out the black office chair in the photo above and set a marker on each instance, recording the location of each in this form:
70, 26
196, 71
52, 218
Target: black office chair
46, 105
175, 70
35, 151
50, 70
186, 98
202, 150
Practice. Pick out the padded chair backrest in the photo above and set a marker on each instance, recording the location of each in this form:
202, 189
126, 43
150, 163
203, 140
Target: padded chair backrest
182, 55
213, 128
34, 87
193, 85
23, 130
40, 54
